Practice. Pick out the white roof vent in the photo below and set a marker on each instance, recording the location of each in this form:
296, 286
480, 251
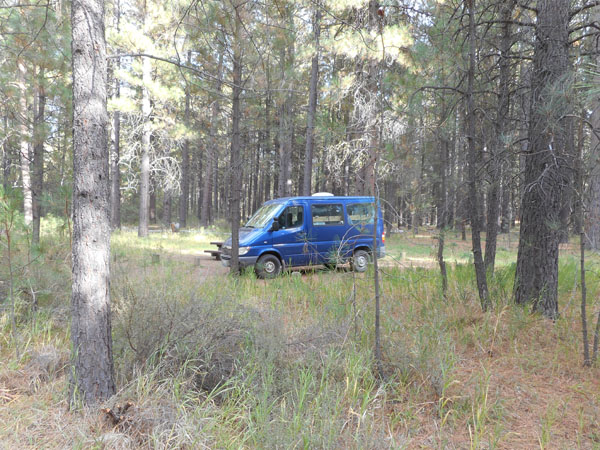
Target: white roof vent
323, 194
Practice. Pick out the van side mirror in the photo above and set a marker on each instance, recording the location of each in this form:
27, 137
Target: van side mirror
274, 226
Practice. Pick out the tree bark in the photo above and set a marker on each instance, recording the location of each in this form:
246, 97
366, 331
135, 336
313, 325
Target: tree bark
167, 201
92, 377
442, 210
37, 183
185, 159
5, 156
235, 169
145, 161
152, 202
312, 107
24, 144
211, 153
115, 181
285, 131
115, 171
499, 146
546, 162
473, 160
592, 225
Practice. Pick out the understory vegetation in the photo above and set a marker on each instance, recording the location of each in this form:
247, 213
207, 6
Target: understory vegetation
207, 360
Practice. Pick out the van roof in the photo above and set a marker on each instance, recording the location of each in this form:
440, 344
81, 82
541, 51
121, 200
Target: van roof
326, 199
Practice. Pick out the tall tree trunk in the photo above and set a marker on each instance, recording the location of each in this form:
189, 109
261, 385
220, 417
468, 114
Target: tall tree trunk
115, 172
256, 177
312, 107
24, 144
578, 198
37, 183
199, 170
592, 225
145, 162
152, 202
115, 181
235, 143
211, 152
442, 209
285, 147
546, 160
287, 120
371, 92
215, 185
505, 207
167, 202
473, 160
5, 156
267, 142
499, 146
92, 377
185, 158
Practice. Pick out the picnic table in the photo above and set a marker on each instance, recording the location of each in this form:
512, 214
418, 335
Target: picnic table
215, 253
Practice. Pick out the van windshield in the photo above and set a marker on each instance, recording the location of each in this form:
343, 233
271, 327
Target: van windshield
263, 215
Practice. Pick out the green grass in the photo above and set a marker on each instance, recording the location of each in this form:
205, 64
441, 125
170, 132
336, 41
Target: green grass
224, 362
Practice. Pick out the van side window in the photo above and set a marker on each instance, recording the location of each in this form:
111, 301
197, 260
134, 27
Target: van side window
291, 217
327, 215
360, 213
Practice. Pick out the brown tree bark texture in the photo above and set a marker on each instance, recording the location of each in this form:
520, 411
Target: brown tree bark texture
546, 162
37, 182
592, 225
92, 376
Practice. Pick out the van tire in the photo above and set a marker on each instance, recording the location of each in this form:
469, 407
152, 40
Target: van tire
360, 261
267, 266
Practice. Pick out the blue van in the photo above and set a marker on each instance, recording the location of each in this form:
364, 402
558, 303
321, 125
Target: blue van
303, 231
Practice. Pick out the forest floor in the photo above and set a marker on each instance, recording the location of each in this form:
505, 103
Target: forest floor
211, 361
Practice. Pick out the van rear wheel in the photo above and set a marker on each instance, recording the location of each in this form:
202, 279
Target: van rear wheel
267, 266
360, 260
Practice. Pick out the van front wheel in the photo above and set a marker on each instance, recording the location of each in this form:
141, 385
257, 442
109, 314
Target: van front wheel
267, 266
360, 261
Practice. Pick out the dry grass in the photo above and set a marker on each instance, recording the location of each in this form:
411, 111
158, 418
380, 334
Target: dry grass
213, 362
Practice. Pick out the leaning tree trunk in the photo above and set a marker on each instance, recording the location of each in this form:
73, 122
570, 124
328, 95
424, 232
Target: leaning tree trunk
92, 377
24, 146
37, 183
145, 163
547, 174
312, 107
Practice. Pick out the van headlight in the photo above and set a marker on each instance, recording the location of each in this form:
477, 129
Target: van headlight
243, 250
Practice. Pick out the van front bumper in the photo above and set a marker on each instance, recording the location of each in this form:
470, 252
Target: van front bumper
245, 261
